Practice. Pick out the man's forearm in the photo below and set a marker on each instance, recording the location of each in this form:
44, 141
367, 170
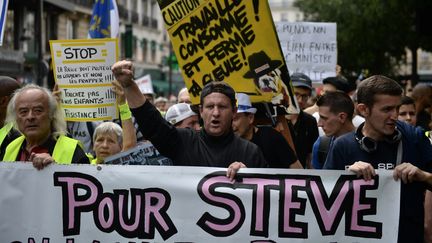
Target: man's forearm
134, 96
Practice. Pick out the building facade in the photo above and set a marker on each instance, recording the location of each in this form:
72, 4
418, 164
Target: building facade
30, 24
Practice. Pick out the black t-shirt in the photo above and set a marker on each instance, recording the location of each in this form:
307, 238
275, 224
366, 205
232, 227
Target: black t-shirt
187, 147
275, 148
305, 133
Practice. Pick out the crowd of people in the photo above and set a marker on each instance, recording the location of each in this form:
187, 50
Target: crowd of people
360, 129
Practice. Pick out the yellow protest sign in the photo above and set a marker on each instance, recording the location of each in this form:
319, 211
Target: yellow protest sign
82, 71
234, 41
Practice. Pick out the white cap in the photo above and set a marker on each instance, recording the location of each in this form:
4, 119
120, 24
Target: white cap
178, 112
244, 104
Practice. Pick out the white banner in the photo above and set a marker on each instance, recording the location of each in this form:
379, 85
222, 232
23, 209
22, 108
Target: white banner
114, 203
309, 48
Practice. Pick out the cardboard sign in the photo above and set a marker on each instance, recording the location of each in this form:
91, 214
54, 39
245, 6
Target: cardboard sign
142, 154
145, 84
231, 41
124, 203
82, 70
309, 48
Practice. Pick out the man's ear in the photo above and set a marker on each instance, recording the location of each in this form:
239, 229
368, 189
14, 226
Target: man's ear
4, 101
251, 117
342, 116
363, 109
200, 110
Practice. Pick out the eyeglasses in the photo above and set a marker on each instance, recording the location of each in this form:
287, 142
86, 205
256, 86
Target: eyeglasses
302, 96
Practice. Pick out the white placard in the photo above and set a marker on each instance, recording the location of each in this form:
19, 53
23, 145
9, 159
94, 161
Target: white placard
82, 70
309, 48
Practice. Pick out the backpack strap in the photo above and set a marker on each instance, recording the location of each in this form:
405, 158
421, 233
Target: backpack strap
323, 149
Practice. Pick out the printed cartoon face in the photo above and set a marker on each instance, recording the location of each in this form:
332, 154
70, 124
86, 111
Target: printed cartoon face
269, 82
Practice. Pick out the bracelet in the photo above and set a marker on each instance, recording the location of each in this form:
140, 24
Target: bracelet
125, 112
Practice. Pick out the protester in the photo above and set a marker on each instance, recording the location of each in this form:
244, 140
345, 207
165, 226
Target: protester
181, 116
277, 153
382, 142
183, 96
422, 95
304, 128
335, 110
109, 138
81, 131
339, 83
33, 110
8, 85
215, 144
161, 104
407, 111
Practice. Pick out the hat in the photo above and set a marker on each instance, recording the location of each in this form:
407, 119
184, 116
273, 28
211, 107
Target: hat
301, 80
260, 64
340, 83
244, 104
160, 99
178, 112
218, 87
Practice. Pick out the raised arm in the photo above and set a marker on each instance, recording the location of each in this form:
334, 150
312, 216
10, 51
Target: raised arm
129, 133
123, 73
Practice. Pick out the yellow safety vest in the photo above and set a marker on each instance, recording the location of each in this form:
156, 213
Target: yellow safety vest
4, 131
62, 154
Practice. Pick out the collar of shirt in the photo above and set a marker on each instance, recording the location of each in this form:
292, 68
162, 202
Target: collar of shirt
46, 147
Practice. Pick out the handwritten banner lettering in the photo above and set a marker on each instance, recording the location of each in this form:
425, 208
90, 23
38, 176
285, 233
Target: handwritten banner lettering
118, 203
309, 48
232, 41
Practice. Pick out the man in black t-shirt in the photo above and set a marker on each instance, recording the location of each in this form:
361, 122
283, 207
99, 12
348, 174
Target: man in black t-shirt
214, 145
275, 148
303, 126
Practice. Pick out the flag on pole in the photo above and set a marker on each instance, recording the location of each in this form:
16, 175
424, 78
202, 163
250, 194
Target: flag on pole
104, 22
3, 12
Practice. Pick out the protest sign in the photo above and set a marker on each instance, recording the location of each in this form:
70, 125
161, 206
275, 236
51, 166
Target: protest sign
82, 70
3, 14
145, 84
309, 48
231, 41
118, 203
143, 154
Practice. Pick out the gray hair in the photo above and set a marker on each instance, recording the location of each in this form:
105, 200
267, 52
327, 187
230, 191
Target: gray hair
109, 127
58, 123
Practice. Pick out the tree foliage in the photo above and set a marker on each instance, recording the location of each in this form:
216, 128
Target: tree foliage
372, 34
